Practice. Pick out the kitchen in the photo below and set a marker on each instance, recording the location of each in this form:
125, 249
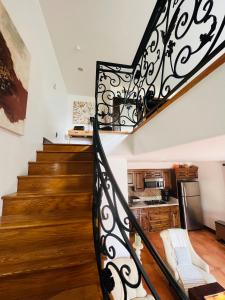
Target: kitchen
154, 193
167, 195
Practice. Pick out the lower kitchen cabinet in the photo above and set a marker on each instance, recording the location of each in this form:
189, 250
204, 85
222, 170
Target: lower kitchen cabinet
175, 216
157, 218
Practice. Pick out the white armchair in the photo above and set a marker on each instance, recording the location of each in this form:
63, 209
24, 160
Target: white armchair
188, 269
135, 294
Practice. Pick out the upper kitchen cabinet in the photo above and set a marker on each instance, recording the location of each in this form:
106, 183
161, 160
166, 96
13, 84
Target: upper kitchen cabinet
167, 179
136, 178
184, 172
154, 173
139, 181
131, 179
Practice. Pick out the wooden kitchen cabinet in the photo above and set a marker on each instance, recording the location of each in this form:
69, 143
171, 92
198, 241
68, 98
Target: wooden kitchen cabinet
157, 218
136, 213
154, 173
141, 216
144, 219
186, 173
139, 181
175, 216
136, 177
131, 181
167, 179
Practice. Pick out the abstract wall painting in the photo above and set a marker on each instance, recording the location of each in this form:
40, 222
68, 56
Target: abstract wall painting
14, 75
82, 111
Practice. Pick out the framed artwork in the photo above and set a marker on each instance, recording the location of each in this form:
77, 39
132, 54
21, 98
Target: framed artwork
14, 75
82, 111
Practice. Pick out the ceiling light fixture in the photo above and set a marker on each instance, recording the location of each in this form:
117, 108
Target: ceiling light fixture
80, 69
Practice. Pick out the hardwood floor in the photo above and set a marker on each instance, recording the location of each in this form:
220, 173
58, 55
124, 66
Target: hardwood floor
212, 251
205, 244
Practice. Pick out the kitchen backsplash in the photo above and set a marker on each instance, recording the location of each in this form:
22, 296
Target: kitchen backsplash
145, 193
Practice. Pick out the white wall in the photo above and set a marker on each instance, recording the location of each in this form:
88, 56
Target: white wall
46, 109
149, 165
198, 114
119, 169
212, 187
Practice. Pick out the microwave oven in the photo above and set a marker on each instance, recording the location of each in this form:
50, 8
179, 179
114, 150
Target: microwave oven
154, 183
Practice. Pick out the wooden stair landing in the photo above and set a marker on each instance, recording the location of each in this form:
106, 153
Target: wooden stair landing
46, 235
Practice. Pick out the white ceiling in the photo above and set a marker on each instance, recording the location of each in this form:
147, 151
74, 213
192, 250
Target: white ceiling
107, 30
212, 149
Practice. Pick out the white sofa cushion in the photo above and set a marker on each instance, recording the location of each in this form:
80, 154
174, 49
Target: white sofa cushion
183, 256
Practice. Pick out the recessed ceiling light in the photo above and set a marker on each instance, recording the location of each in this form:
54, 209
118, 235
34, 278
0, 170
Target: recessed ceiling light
80, 69
77, 47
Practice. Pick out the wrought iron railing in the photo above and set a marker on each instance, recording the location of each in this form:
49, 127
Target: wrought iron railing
114, 224
181, 38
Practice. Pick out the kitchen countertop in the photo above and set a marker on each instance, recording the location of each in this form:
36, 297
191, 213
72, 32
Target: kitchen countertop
173, 201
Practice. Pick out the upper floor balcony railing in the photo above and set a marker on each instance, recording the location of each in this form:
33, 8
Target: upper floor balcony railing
181, 39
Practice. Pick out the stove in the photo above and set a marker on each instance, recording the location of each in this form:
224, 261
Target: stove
154, 202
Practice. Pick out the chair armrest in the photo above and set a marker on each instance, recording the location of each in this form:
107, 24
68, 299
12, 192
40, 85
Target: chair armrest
174, 273
170, 260
198, 261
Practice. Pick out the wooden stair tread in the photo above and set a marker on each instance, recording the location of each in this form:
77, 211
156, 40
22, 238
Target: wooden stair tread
71, 144
64, 156
60, 162
82, 293
66, 152
25, 221
43, 285
48, 264
56, 176
24, 196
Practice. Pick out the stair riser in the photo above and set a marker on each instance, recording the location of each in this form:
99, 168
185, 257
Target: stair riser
60, 168
55, 184
63, 156
47, 204
45, 284
68, 148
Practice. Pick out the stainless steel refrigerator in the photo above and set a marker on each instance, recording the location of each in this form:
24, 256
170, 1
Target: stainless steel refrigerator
190, 205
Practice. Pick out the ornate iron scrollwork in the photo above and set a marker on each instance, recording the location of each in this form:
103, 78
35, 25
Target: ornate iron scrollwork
112, 85
182, 36
113, 223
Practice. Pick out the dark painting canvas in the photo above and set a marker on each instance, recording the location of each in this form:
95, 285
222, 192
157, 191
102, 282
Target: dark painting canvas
14, 73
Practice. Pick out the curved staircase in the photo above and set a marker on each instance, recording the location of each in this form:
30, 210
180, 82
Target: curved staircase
46, 236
